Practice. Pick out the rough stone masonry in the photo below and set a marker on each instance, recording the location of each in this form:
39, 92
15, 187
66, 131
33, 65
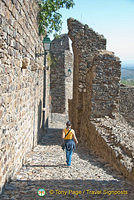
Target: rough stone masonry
61, 82
21, 84
94, 109
126, 106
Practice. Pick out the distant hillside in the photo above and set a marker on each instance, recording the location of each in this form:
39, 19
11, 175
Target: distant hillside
127, 72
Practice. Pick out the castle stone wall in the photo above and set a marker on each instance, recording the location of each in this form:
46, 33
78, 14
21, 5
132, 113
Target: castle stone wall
127, 103
21, 84
94, 109
57, 82
60, 44
105, 73
85, 43
60, 81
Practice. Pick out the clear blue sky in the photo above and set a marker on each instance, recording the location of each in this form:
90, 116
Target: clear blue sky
112, 18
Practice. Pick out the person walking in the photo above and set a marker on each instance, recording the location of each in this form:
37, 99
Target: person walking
70, 141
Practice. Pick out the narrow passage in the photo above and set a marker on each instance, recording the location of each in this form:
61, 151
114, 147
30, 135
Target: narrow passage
45, 168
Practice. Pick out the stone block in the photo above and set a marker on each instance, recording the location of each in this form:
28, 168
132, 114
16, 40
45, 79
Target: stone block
25, 62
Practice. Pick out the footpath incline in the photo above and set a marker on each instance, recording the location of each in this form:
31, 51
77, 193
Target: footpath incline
45, 167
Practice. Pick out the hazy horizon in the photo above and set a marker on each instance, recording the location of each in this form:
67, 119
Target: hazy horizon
113, 19
126, 65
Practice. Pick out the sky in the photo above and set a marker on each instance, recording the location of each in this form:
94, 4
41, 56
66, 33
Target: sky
112, 18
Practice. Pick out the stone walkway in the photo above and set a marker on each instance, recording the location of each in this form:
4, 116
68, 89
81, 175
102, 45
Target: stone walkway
45, 168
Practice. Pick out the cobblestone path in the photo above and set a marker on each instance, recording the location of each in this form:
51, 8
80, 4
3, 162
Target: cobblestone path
45, 168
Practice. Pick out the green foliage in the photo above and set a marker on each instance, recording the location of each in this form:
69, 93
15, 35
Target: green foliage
128, 82
49, 19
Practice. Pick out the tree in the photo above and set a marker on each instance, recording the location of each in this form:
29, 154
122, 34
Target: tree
49, 19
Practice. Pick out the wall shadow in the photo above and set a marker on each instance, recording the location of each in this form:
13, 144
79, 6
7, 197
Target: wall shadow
51, 137
40, 121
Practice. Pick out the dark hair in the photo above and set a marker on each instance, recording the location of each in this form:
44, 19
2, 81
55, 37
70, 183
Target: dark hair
68, 123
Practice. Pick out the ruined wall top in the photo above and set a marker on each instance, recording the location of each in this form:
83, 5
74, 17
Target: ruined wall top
60, 44
82, 32
96, 71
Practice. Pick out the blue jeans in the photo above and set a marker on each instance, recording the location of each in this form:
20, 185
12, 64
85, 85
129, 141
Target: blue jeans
69, 156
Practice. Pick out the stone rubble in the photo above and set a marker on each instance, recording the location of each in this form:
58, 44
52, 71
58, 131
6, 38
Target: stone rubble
119, 136
45, 168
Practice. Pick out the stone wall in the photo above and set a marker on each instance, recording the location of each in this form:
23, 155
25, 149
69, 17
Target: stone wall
57, 82
103, 78
21, 84
94, 109
60, 44
127, 103
85, 43
60, 82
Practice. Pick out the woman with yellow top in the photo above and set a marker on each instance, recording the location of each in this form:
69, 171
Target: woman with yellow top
70, 140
